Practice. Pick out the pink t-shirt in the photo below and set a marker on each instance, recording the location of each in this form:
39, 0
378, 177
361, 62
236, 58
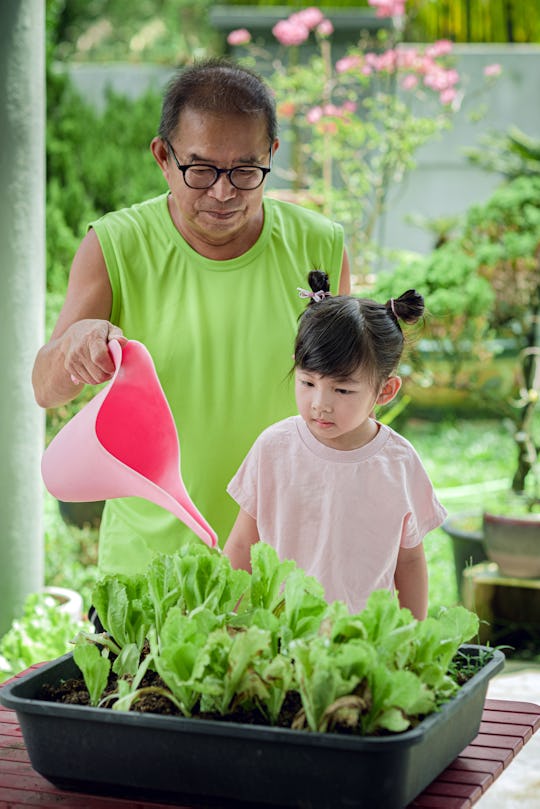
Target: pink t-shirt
341, 515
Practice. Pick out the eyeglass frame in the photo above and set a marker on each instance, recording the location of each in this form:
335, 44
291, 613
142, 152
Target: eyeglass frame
183, 168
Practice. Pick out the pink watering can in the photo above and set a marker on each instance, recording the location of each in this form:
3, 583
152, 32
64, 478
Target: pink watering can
124, 443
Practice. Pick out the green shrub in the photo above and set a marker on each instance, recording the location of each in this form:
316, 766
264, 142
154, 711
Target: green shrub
485, 283
42, 633
96, 162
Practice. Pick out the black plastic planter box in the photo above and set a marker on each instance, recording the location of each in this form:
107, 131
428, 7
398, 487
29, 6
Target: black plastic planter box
211, 762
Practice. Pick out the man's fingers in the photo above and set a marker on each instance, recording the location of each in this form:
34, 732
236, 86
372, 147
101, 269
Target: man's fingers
87, 358
116, 333
100, 360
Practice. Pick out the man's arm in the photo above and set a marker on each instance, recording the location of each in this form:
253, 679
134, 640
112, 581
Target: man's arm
77, 349
411, 580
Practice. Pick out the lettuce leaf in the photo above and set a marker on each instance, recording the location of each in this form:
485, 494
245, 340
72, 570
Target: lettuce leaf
123, 607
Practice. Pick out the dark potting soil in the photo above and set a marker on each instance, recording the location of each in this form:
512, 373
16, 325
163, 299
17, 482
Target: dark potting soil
74, 692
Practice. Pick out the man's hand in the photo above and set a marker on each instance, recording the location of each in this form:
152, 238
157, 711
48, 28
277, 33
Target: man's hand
84, 346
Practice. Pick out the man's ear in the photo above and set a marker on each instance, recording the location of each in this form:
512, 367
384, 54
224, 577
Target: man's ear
161, 154
389, 390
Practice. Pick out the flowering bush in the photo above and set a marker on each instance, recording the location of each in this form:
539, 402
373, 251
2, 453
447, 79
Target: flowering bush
355, 125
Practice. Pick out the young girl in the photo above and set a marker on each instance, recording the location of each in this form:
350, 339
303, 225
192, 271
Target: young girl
343, 495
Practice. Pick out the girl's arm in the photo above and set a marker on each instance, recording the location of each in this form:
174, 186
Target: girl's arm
243, 535
411, 580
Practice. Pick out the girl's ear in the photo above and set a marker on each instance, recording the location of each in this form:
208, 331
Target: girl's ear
389, 390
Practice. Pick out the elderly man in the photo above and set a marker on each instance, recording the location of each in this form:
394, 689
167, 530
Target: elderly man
206, 277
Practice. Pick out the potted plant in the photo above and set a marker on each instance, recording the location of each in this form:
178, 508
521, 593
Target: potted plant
272, 695
482, 285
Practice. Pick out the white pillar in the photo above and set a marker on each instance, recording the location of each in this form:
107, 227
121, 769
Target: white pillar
22, 298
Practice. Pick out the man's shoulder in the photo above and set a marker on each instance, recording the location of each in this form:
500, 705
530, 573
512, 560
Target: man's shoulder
149, 209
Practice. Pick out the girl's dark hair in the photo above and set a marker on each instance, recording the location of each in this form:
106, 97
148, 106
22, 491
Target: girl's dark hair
337, 335
218, 86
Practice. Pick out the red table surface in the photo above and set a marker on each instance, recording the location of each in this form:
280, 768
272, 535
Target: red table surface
505, 728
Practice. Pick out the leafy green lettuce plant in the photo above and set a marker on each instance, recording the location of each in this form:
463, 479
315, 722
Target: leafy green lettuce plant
42, 632
377, 670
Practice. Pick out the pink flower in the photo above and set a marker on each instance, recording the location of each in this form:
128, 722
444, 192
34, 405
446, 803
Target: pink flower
447, 96
314, 115
240, 36
409, 82
407, 58
388, 8
492, 70
290, 33
348, 63
331, 109
439, 79
386, 61
317, 114
310, 17
442, 47
325, 28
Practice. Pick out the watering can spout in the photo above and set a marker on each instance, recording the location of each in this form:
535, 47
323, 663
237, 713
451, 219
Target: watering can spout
124, 443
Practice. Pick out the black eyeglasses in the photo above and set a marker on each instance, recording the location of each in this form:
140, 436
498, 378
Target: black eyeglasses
201, 175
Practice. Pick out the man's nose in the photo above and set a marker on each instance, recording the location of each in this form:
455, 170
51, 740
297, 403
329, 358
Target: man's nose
222, 189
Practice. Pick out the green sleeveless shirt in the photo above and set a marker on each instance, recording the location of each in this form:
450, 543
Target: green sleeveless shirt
221, 335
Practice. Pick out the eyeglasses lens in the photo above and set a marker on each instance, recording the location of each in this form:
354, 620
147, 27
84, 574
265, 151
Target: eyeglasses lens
244, 178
